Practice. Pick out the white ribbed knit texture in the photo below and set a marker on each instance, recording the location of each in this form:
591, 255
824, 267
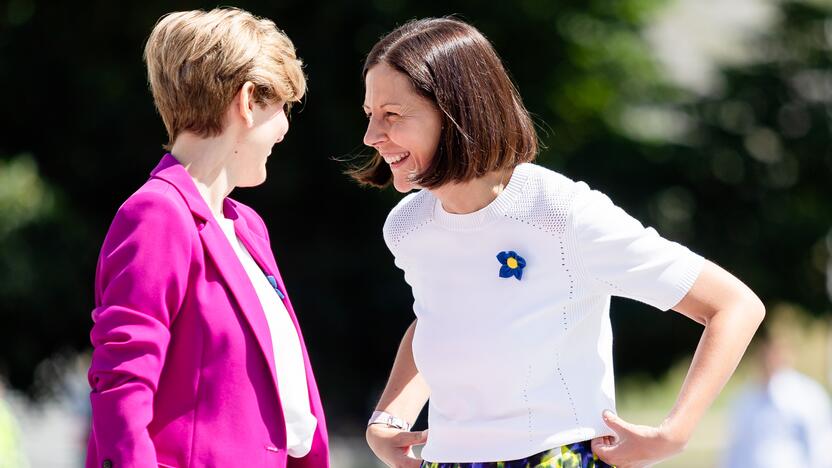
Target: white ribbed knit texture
518, 367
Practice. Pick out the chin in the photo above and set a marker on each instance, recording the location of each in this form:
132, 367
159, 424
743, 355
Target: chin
254, 181
402, 186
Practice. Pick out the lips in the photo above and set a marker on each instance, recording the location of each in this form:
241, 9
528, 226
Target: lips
395, 159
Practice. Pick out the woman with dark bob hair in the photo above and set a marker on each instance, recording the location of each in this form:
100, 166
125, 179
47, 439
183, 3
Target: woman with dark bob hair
512, 267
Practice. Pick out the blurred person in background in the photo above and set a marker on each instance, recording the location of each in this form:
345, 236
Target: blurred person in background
193, 328
783, 418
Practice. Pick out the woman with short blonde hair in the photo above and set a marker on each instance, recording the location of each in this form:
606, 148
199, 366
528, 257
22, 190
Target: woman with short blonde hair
193, 326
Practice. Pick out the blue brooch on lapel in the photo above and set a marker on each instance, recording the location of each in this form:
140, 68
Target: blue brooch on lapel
273, 282
511, 264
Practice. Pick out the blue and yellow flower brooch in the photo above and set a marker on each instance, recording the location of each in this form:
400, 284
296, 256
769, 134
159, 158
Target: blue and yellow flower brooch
512, 264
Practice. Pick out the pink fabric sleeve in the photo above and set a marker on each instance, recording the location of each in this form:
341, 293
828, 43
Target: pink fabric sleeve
141, 279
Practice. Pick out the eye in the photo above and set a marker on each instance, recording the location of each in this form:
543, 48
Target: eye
391, 115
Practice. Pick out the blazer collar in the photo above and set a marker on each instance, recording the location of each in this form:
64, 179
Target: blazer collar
171, 171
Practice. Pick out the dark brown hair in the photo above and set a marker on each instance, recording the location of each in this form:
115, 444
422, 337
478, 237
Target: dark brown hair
485, 126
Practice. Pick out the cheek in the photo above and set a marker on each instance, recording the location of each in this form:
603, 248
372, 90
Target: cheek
425, 146
412, 138
271, 129
431, 146
429, 133
268, 133
282, 124
259, 138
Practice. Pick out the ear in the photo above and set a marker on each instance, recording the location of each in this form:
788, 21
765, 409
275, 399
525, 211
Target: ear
245, 103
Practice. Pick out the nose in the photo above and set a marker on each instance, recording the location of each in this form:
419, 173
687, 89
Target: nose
375, 133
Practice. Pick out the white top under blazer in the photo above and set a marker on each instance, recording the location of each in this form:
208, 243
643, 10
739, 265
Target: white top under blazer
288, 357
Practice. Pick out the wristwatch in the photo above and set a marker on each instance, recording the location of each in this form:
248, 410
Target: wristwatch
381, 417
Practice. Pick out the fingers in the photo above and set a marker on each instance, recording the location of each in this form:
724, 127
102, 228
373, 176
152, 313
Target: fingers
618, 425
406, 439
393, 446
604, 440
607, 448
604, 448
403, 461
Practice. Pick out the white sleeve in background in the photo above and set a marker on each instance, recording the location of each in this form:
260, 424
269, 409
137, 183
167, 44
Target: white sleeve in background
623, 258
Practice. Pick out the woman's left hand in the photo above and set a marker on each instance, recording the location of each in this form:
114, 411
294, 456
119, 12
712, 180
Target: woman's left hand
635, 446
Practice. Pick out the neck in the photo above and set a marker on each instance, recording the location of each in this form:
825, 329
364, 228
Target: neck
474, 195
207, 162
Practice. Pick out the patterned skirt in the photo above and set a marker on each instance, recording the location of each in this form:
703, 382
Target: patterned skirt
577, 455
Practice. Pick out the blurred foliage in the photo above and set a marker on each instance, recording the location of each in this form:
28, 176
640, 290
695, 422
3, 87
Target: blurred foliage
740, 175
24, 197
43, 247
761, 155
11, 454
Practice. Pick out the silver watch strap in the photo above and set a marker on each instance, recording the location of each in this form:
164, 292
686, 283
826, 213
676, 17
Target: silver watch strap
381, 417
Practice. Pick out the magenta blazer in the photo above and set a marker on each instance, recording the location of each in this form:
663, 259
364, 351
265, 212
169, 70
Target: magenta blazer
182, 370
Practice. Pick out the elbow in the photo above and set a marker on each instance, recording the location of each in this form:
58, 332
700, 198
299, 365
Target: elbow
761, 311
745, 308
754, 308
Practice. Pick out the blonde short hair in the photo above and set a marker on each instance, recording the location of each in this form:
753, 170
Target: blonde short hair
197, 61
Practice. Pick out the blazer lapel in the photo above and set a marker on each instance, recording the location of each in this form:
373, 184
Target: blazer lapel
256, 245
235, 276
261, 252
223, 256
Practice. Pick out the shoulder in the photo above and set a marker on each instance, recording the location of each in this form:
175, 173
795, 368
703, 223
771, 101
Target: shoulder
411, 213
153, 219
555, 202
794, 383
545, 199
155, 204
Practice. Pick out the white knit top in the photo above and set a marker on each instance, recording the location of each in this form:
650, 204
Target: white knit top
519, 366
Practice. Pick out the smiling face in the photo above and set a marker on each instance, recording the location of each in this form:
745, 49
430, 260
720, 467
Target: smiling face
267, 128
404, 126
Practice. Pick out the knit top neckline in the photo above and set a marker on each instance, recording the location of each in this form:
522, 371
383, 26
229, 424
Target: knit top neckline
491, 212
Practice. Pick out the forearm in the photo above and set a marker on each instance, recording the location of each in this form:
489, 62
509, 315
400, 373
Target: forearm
724, 341
731, 313
406, 392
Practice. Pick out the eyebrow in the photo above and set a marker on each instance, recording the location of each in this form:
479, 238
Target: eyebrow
365, 106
